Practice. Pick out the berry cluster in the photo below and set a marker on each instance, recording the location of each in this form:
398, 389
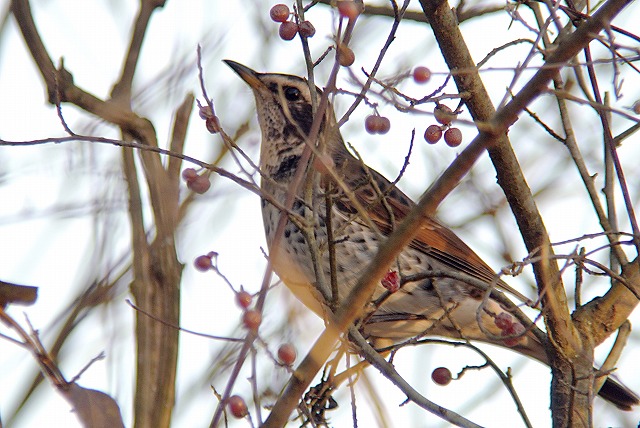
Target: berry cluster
236, 404
349, 10
376, 124
288, 29
509, 327
195, 182
251, 318
443, 114
452, 136
211, 120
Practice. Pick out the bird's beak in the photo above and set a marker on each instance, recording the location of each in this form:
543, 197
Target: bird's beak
251, 77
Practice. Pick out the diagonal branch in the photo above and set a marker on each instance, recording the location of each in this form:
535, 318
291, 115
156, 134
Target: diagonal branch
402, 236
569, 345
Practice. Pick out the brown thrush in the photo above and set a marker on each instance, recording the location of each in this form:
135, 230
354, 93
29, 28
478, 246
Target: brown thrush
408, 302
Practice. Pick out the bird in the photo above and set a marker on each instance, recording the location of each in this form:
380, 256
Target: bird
329, 215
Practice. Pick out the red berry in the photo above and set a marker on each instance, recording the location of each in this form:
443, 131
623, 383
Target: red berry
517, 330
203, 263
237, 406
346, 57
348, 9
243, 299
279, 13
213, 124
453, 137
391, 281
377, 124
441, 376
252, 319
385, 125
636, 107
189, 174
433, 134
443, 114
287, 354
307, 29
199, 185
421, 74
288, 30
503, 321
371, 124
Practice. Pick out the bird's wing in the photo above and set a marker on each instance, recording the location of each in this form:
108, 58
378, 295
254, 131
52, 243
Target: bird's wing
433, 238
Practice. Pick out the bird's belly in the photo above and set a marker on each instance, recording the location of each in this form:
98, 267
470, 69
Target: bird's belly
426, 305
295, 276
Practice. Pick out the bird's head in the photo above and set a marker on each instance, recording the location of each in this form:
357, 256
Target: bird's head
285, 113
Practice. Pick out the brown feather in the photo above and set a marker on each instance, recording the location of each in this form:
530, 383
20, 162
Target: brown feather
433, 238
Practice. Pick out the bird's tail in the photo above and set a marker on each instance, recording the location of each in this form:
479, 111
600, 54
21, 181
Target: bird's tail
618, 394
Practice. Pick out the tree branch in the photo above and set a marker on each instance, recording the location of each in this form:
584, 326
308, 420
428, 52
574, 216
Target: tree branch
567, 340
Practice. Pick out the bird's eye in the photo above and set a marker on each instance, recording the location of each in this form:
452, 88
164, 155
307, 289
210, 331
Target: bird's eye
291, 93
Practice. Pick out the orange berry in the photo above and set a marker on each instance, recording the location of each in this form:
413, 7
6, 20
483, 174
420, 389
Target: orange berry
371, 124
199, 185
237, 406
375, 124
287, 354
203, 263
288, 30
243, 299
421, 74
443, 114
189, 174
252, 319
432, 134
348, 9
385, 125
306, 29
346, 57
453, 137
279, 13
